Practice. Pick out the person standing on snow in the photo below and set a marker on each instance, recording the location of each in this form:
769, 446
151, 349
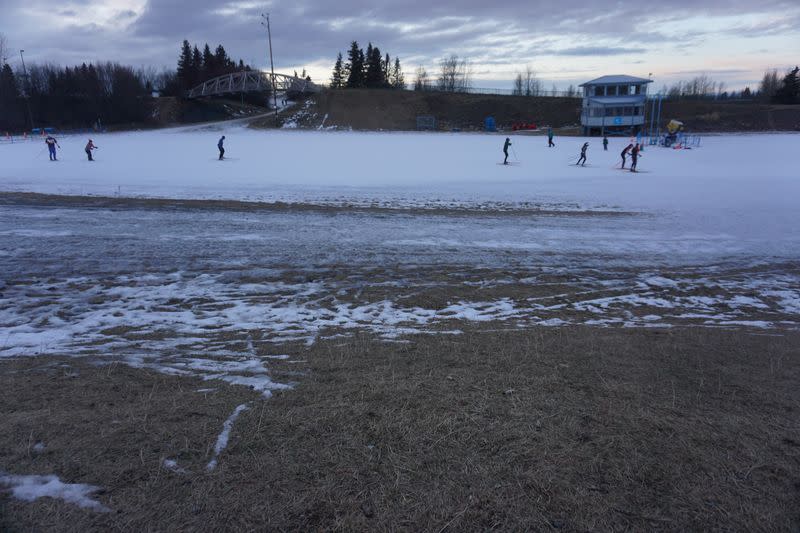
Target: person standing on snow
221, 149
605, 143
505, 150
634, 157
51, 146
582, 160
625, 153
89, 147
550, 143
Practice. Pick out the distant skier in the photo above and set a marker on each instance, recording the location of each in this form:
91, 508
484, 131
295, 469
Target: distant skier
634, 157
505, 150
582, 160
605, 143
221, 148
624, 153
51, 146
89, 147
550, 143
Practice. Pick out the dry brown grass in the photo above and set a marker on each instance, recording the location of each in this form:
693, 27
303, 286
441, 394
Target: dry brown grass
572, 429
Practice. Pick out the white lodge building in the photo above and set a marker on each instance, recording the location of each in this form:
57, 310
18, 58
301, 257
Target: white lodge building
614, 104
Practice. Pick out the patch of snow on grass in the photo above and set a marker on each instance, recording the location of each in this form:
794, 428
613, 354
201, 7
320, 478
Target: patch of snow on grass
33, 487
222, 440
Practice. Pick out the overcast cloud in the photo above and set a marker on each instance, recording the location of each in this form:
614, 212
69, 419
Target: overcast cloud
566, 41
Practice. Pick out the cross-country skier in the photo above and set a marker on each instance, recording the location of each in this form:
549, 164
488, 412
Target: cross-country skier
582, 160
550, 142
605, 143
221, 149
89, 147
625, 153
51, 146
505, 150
634, 157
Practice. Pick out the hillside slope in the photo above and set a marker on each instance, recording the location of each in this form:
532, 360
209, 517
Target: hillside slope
364, 109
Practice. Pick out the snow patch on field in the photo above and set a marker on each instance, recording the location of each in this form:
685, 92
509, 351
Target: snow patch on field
222, 440
32, 487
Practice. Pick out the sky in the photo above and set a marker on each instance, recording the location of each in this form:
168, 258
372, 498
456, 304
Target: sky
565, 42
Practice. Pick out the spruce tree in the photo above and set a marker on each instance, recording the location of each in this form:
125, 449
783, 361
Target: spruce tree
374, 73
222, 61
337, 79
185, 66
789, 91
197, 67
209, 66
387, 71
355, 66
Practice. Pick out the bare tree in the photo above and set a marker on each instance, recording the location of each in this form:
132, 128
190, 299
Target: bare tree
519, 86
769, 84
533, 87
422, 83
455, 74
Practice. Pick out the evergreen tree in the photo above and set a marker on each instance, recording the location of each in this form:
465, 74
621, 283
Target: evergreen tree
355, 66
222, 61
337, 78
185, 66
374, 72
387, 71
789, 91
197, 67
10, 117
209, 66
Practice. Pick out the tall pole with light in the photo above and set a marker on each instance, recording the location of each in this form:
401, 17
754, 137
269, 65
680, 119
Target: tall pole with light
265, 22
27, 89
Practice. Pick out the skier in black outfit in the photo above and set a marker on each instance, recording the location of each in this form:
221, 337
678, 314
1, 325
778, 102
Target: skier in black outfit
221, 149
582, 160
625, 153
634, 157
605, 143
505, 150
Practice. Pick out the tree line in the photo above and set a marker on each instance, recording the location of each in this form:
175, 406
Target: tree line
99, 94
368, 69
85, 95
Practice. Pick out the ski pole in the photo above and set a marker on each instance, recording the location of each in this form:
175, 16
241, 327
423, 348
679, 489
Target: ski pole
515, 153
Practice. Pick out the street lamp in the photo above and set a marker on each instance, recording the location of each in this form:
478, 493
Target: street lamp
271, 64
27, 89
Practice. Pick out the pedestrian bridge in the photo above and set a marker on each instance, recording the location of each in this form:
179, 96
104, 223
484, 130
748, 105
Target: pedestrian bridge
253, 81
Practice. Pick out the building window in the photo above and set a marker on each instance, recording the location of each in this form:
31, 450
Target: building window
623, 90
598, 91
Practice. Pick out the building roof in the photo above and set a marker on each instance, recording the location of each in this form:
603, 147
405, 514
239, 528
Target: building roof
615, 79
618, 100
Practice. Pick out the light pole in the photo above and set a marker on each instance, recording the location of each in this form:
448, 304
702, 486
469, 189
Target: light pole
272, 65
27, 89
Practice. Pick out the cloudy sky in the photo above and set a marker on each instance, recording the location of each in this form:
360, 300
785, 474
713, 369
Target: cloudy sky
566, 41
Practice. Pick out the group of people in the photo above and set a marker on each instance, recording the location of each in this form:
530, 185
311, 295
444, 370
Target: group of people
633, 149
52, 143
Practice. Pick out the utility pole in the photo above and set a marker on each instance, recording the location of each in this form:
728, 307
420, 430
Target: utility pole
27, 89
272, 66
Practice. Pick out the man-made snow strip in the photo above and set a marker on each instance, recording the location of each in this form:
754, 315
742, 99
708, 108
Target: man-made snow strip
222, 440
33, 487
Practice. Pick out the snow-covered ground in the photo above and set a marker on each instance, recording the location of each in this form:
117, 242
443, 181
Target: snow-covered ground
705, 237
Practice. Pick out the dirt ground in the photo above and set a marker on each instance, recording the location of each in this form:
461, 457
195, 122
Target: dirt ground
569, 429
